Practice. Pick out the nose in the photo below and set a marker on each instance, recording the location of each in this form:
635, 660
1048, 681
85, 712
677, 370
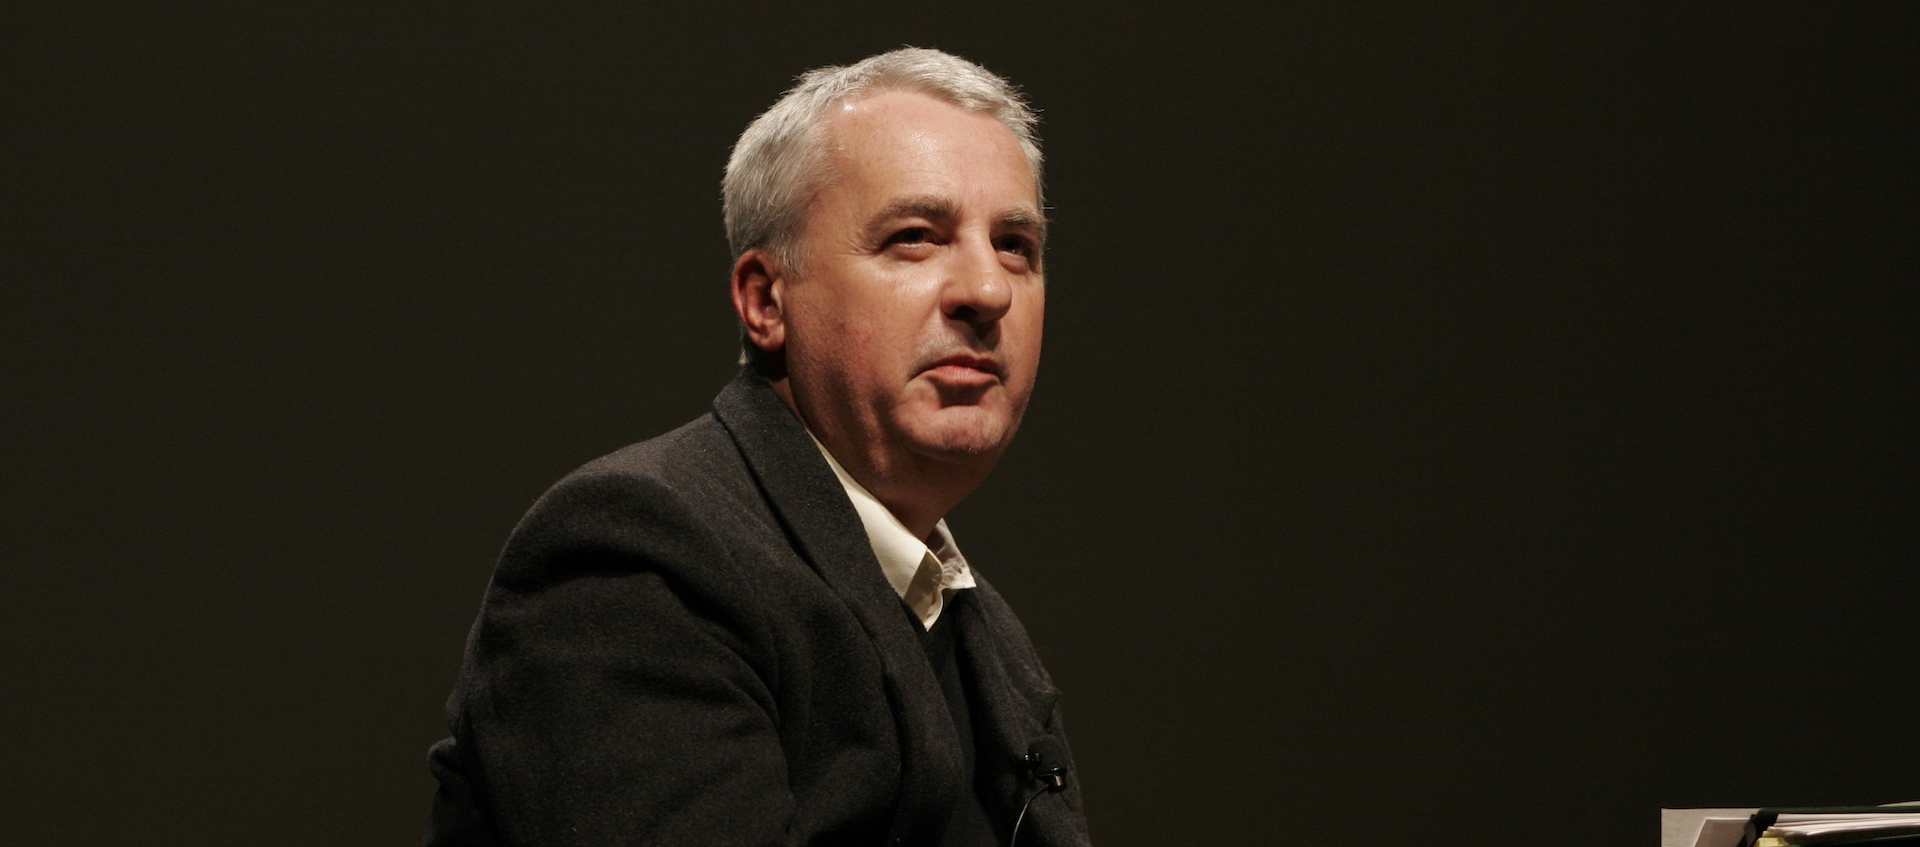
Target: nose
977, 290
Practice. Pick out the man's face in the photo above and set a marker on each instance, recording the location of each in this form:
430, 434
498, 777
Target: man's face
913, 321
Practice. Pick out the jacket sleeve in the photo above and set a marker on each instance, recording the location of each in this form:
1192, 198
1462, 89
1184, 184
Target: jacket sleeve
618, 684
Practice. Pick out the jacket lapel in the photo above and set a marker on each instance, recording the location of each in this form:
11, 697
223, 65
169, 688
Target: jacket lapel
1016, 716
813, 508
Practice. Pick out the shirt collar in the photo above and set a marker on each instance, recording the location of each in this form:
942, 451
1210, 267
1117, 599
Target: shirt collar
923, 576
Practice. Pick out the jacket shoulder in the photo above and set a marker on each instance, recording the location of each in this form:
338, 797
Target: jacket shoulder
666, 500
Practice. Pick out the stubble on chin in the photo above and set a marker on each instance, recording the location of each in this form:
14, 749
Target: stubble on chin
960, 432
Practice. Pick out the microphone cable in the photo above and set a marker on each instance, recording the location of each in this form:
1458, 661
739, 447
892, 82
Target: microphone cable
1014, 838
1051, 779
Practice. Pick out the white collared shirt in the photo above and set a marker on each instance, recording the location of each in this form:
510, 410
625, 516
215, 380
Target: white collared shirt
923, 576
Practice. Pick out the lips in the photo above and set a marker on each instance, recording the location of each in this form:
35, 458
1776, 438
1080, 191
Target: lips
966, 367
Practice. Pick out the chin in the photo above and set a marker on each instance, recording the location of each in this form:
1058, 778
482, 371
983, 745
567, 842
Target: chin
962, 434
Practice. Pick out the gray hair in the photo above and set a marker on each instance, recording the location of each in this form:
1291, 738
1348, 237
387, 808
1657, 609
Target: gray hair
781, 160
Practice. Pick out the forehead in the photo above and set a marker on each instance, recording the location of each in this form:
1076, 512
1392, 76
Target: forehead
908, 142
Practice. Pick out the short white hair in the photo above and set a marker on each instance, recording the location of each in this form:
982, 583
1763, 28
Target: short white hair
781, 160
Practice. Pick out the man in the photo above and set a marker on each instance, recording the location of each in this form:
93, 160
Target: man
757, 629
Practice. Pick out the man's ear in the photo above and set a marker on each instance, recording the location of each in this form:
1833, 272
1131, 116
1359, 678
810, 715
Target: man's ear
759, 298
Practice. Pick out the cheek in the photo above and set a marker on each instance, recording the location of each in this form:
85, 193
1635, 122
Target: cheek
859, 351
827, 322
1027, 323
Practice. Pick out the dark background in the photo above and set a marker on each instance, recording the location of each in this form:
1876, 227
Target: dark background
1461, 425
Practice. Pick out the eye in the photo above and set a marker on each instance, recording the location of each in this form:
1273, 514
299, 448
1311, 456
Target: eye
1017, 244
911, 235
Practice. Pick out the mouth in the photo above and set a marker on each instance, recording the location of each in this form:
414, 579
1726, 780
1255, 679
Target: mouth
966, 369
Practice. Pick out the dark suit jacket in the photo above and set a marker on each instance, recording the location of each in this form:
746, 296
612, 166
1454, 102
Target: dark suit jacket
689, 641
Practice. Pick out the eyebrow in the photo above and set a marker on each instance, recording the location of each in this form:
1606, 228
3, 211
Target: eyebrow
923, 206
1027, 219
935, 208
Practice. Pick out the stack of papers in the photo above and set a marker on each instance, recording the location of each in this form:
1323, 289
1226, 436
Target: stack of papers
1796, 828
1897, 825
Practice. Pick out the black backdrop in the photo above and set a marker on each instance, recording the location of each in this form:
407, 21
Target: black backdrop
1459, 425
